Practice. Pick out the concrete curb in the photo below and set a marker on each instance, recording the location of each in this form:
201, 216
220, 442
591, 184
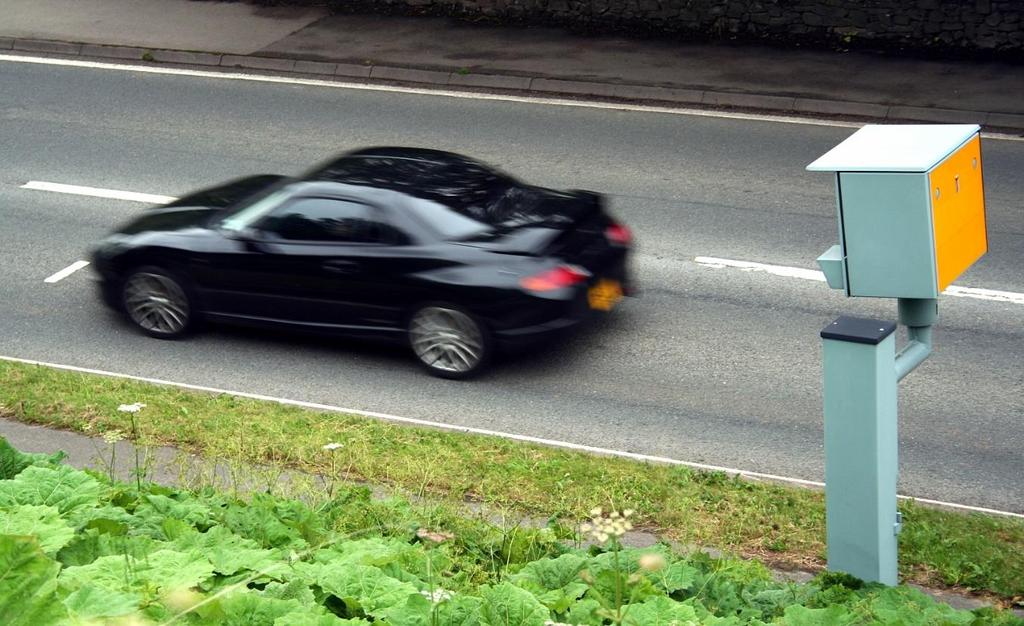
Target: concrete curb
535, 85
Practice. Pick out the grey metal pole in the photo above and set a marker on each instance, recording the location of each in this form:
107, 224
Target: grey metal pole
861, 447
918, 315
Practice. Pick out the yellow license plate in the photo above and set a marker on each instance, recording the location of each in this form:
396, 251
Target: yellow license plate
604, 294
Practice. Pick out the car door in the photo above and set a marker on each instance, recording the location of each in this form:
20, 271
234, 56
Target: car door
330, 262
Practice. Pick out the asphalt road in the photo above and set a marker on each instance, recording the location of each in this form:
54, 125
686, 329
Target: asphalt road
711, 365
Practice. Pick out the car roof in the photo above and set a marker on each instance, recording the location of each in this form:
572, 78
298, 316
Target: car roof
445, 177
359, 163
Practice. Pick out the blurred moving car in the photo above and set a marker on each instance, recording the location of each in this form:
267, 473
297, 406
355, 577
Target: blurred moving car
421, 246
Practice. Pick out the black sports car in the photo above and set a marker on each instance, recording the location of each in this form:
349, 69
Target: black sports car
408, 244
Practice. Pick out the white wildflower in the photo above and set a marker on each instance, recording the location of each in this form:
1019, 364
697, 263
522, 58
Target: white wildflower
113, 436
437, 596
652, 562
601, 527
131, 408
331, 447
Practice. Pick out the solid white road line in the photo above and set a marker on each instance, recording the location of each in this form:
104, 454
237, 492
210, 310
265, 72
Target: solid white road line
491, 433
67, 271
985, 294
1010, 297
749, 266
468, 95
97, 192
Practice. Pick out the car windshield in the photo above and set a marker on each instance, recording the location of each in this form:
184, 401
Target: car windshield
248, 214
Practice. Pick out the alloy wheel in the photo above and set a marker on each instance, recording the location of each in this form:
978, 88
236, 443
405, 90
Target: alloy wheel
447, 340
156, 303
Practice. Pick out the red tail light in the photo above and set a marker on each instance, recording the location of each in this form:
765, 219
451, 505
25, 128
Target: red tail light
557, 278
618, 235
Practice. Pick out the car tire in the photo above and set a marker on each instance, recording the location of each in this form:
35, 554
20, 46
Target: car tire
449, 341
158, 302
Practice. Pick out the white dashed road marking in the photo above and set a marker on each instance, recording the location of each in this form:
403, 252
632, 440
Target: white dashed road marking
97, 192
67, 271
994, 295
750, 266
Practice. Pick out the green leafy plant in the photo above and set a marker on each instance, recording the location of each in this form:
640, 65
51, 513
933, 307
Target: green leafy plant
937, 547
77, 547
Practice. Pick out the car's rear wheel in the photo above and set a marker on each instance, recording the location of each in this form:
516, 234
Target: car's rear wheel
449, 341
158, 302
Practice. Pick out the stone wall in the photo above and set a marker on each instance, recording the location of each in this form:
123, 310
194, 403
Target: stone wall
937, 26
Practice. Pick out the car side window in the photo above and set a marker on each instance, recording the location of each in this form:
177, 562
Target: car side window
330, 220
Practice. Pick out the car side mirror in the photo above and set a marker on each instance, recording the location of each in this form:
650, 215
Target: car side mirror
251, 238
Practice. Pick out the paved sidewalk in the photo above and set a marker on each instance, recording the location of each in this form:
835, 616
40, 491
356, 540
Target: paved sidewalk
539, 61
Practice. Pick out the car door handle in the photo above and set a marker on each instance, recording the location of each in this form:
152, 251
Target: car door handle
341, 267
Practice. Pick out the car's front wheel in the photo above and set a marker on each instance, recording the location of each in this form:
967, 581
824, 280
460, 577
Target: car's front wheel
158, 302
449, 341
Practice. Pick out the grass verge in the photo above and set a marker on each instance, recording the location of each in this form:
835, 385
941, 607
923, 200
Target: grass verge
779, 524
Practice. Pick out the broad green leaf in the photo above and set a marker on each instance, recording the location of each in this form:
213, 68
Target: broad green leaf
28, 584
295, 515
230, 553
42, 522
259, 523
276, 523
13, 461
363, 586
732, 620
660, 611
312, 619
291, 590
91, 544
245, 608
559, 600
68, 489
91, 602
396, 557
172, 529
627, 559
905, 606
584, 613
549, 574
678, 576
95, 517
461, 610
798, 615
508, 605
606, 581
164, 570
415, 611
156, 509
